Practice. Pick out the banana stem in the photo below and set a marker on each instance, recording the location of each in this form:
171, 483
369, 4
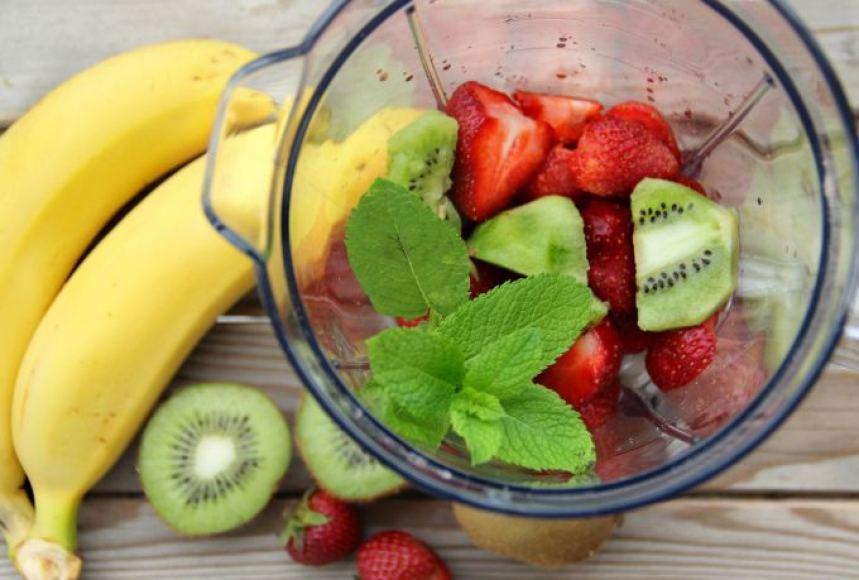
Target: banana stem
16, 518
48, 551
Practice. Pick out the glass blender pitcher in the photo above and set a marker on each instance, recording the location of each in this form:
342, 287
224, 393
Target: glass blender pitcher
763, 124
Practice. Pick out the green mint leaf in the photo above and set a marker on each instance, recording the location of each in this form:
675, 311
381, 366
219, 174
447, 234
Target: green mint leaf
407, 260
399, 420
476, 417
543, 432
557, 305
502, 367
419, 372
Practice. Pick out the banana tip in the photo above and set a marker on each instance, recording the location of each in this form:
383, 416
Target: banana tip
39, 559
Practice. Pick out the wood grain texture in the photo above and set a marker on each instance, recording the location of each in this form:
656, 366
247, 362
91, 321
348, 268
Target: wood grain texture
816, 450
43, 42
688, 538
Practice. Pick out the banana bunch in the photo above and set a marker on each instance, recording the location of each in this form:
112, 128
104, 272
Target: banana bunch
66, 168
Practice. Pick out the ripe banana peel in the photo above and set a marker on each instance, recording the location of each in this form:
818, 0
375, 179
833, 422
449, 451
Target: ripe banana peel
68, 165
117, 333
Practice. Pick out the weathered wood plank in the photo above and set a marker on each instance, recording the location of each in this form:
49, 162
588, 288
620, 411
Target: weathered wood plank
43, 42
817, 449
687, 538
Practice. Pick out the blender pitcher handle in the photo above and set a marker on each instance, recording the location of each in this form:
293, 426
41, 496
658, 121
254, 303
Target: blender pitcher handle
260, 96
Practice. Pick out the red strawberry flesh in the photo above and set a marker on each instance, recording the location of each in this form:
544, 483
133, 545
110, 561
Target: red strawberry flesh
566, 115
497, 152
556, 177
588, 368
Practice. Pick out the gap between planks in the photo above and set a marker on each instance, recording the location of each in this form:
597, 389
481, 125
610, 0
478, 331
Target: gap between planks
687, 538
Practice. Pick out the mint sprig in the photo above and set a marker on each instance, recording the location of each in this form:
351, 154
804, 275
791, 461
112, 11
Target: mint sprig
471, 369
407, 260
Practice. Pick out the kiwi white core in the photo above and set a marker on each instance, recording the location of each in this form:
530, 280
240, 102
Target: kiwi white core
215, 454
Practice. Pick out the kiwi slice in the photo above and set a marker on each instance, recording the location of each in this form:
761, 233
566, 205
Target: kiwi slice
420, 158
336, 462
545, 235
685, 255
211, 457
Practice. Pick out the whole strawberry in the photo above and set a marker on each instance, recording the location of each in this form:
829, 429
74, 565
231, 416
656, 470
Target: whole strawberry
395, 555
676, 357
321, 529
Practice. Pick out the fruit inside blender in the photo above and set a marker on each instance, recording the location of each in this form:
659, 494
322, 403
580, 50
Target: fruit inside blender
594, 188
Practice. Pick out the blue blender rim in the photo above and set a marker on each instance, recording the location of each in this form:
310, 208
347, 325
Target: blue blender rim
682, 483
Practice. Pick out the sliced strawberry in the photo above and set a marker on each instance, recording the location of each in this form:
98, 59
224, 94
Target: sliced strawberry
633, 338
614, 154
651, 118
676, 357
498, 150
566, 115
590, 366
556, 177
691, 184
602, 408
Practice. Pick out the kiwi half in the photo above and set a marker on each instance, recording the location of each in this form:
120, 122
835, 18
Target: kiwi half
420, 158
686, 249
336, 462
211, 457
545, 235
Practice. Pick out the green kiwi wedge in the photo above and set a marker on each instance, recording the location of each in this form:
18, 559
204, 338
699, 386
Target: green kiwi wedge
686, 251
211, 457
545, 235
420, 158
336, 462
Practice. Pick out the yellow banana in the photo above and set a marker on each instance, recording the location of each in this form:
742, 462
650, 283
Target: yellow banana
118, 331
68, 165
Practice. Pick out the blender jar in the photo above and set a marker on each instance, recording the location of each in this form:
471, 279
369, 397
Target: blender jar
763, 124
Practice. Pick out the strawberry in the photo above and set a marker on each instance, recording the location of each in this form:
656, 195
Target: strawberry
691, 184
589, 367
676, 357
566, 115
651, 118
321, 529
486, 277
395, 555
556, 177
608, 227
498, 150
614, 154
612, 279
633, 338
602, 408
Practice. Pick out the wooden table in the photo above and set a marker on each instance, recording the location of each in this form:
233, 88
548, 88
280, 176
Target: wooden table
790, 510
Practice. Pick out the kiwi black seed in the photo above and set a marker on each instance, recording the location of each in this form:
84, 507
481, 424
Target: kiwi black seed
420, 158
685, 255
211, 457
336, 462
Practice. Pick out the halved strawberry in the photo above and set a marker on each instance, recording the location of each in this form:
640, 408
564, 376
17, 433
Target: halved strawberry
556, 177
498, 150
589, 367
676, 357
566, 115
602, 408
614, 154
651, 118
